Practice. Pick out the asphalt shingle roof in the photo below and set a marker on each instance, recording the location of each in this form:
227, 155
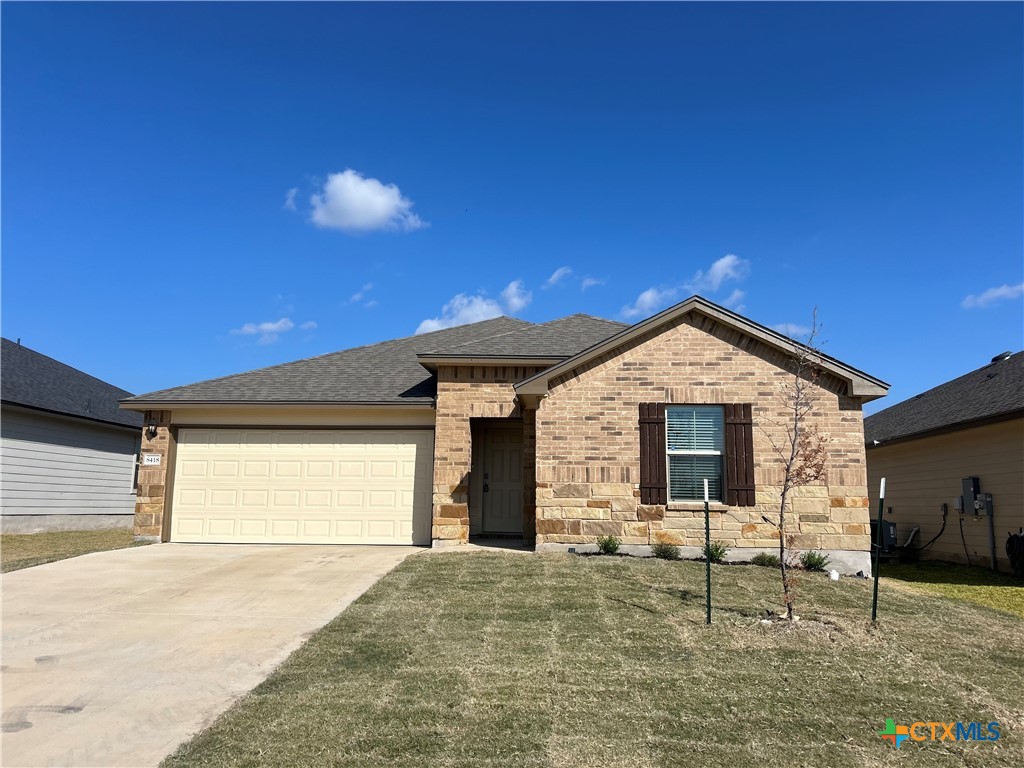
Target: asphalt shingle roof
560, 338
992, 390
388, 372
34, 380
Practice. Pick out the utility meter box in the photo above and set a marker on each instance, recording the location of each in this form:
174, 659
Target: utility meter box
888, 536
983, 504
971, 488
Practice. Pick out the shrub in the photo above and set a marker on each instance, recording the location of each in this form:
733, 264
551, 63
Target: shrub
814, 561
666, 551
715, 551
766, 559
608, 545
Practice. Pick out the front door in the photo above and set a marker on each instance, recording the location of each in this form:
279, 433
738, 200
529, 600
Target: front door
502, 490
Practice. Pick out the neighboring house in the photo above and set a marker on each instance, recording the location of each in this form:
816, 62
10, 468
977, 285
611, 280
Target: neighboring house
67, 451
555, 433
926, 446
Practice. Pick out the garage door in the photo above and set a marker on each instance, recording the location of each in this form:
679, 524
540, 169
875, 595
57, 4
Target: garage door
302, 486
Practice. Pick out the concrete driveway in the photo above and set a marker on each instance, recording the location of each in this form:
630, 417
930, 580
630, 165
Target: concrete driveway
114, 658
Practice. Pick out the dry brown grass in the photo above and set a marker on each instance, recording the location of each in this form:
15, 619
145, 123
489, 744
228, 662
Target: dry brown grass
516, 660
25, 550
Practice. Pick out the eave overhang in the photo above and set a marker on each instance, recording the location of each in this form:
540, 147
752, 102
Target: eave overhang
170, 405
859, 384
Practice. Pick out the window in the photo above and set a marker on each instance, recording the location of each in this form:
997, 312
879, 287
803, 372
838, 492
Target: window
136, 460
695, 439
680, 445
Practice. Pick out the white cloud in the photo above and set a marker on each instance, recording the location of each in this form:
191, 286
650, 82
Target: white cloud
516, 296
353, 203
735, 301
793, 330
649, 302
461, 310
268, 332
590, 282
993, 295
360, 294
309, 325
289, 199
557, 276
729, 267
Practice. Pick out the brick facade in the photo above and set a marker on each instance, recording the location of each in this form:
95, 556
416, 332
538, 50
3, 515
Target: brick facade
581, 446
467, 392
587, 445
153, 484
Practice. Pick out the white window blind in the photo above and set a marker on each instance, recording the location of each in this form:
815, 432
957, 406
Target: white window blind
695, 437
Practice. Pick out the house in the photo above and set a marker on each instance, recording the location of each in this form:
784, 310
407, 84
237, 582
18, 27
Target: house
67, 451
554, 432
927, 446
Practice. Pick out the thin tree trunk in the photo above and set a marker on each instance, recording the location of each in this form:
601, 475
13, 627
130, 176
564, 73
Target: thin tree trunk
803, 455
794, 445
787, 598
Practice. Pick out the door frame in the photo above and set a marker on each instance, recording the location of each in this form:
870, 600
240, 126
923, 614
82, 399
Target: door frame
478, 429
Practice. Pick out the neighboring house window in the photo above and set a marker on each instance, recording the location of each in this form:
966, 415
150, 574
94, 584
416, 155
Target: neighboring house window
137, 461
695, 442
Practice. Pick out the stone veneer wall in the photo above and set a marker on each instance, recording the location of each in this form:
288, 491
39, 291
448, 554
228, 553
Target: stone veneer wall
149, 499
530, 475
467, 392
587, 454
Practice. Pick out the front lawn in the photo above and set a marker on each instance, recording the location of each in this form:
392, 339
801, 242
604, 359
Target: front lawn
978, 585
22, 550
490, 659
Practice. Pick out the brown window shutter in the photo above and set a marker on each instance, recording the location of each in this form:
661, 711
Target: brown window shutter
653, 484
739, 455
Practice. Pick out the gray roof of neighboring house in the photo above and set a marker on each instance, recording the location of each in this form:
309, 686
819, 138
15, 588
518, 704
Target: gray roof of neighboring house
992, 391
386, 373
560, 338
33, 380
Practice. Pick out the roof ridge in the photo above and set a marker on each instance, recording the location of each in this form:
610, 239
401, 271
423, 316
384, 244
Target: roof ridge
595, 317
527, 324
530, 327
17, 345
497, 335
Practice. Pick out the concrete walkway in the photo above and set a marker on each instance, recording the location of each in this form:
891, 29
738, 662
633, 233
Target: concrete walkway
114, 658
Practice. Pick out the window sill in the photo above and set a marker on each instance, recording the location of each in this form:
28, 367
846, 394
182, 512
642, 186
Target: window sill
696, 506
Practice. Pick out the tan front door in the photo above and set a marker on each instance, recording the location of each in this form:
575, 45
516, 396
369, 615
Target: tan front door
503, 480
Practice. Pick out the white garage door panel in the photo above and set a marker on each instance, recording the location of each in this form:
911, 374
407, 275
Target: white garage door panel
303, 486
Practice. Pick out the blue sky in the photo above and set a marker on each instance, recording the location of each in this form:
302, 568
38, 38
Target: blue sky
194, 190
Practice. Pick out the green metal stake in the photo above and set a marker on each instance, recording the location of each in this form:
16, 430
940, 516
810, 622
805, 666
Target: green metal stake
707, 548
878, 551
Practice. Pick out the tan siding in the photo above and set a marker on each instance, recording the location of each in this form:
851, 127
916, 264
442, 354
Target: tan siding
923, 474
299, 416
